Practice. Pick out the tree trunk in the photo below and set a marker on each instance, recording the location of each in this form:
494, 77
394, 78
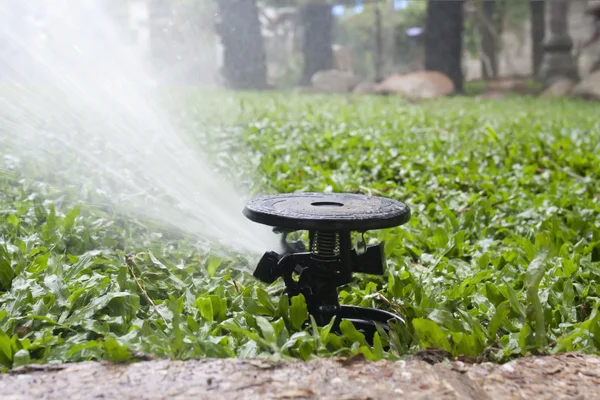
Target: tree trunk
378, 46
538, 27
558, 61
390, 41
443, 39
317, 24
244, 58
489, 56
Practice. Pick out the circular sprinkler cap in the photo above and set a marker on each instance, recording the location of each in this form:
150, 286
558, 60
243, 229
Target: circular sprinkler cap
327, 212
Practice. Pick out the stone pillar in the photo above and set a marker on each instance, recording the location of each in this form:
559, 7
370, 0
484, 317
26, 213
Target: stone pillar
558, 58
244, 56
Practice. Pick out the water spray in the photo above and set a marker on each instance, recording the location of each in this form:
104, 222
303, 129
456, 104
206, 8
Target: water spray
86, 99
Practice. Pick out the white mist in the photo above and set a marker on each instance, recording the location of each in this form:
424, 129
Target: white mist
85, 96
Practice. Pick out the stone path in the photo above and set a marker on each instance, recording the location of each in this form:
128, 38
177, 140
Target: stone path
568, 376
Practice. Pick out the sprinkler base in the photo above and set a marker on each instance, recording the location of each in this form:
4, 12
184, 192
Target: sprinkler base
330, 259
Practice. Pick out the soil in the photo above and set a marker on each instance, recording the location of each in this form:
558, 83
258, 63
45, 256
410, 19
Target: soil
565, 376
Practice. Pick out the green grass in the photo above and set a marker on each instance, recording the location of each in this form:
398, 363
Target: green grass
500, 259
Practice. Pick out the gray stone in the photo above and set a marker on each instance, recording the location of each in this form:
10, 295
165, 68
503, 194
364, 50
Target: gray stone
365, 87
560, 88
589, 87
334, 81
417, 85
557, 65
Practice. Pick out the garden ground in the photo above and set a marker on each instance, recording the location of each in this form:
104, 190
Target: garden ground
500, 260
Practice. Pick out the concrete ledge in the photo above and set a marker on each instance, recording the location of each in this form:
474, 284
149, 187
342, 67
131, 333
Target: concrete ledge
567, 376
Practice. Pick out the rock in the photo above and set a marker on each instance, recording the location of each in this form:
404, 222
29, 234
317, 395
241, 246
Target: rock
559, 88
417, 85
334, 81
365, 87
588, 87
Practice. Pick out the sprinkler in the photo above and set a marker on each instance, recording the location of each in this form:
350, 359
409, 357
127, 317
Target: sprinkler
330, 259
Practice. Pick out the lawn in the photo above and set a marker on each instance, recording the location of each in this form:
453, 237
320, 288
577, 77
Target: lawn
500, 259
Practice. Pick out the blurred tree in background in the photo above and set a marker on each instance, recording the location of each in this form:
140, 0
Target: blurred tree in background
244, 58
444, 39
283, 43
181, 49
317, 27
537, 11
488, 54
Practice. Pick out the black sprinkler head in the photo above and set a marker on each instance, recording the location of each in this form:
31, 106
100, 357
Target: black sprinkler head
330, 259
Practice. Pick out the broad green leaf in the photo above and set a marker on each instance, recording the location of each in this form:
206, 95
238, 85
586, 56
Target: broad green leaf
265, 300
266, 328
69, 219
192, 324
298, 312
13, 220
219, 305
493, 294
351, 333
115, 352
21, 358
430, 335
445, 319
491, 132
498, 319
84, 262
377, 347
525, 341
283, 307
39, 264
95, 305
514, 301
325, 331
535, 311
206, 308
6, 271
5, 349
305, 349
366, 351
212, 264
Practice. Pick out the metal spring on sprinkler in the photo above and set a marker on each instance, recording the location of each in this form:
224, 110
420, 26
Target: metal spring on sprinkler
325, 245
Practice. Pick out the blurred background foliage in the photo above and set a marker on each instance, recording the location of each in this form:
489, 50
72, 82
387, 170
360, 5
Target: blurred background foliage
198, 41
